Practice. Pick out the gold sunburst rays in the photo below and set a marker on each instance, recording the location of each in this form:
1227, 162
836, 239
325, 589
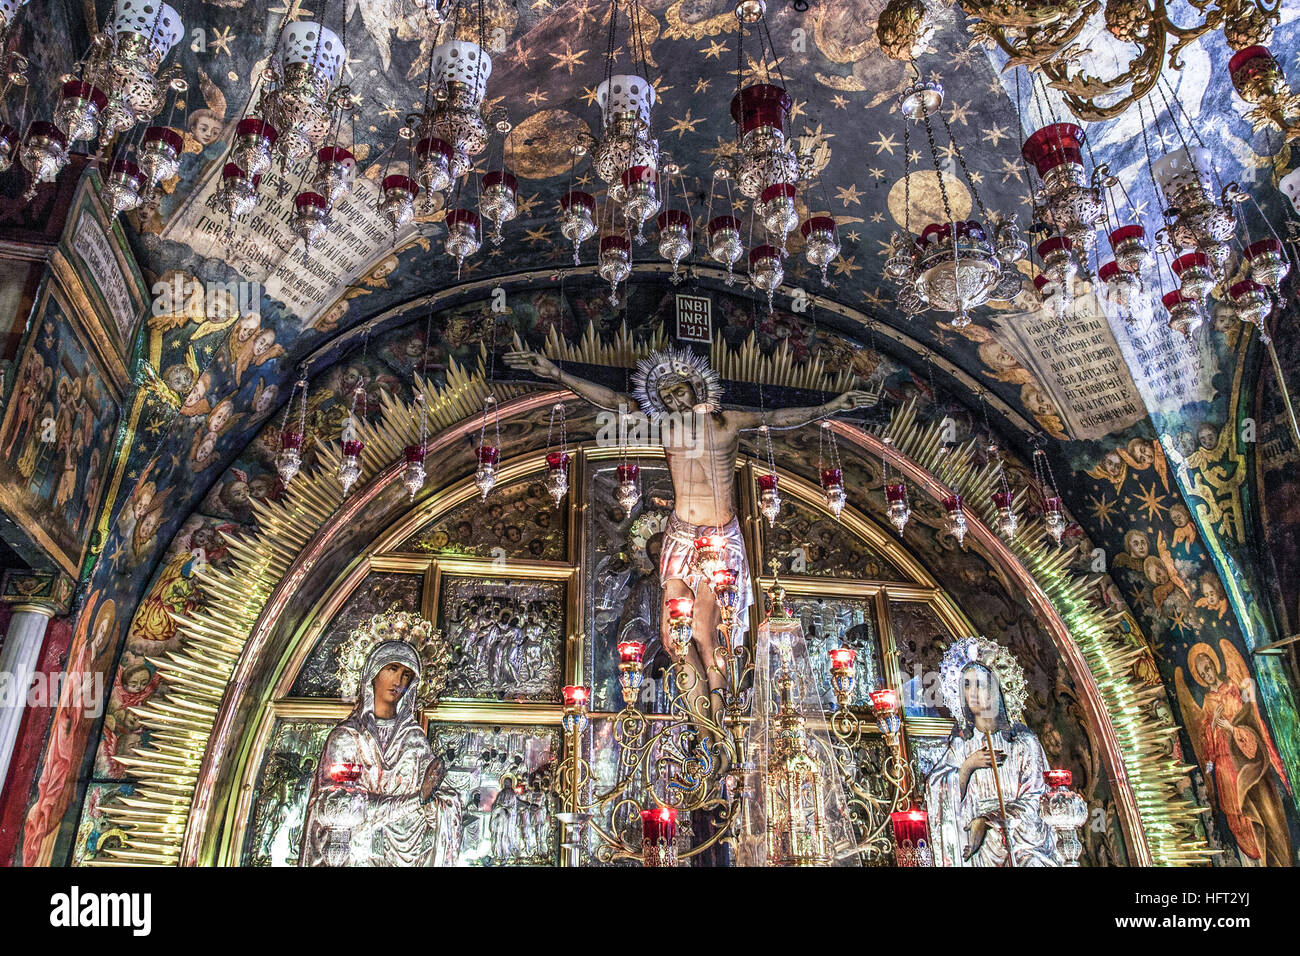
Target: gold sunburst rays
749, 363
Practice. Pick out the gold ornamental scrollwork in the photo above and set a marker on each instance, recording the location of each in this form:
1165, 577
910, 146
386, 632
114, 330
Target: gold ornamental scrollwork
1044, 37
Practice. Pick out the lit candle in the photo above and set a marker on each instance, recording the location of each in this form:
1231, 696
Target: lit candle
843, 657
575, 696
724, 578
659, 824
884, 700
1058, 778
630, 652
680, 608
911, 837
344, 772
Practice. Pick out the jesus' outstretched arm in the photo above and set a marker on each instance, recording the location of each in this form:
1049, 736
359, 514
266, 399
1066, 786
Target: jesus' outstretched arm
791, 417
543, 367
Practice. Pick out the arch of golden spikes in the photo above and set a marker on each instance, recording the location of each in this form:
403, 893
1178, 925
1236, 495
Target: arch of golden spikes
1160, 822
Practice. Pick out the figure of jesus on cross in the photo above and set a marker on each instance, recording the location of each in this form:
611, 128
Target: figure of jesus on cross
701, 448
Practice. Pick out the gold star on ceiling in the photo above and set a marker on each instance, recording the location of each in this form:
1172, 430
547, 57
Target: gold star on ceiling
845, 267
839, 101
1010, 168
219, 41
685, 124
1102, 509
1150, 502
536, 96
852, 235
589, 94
714, 50
959, 114
540, 234
848, 194
875, 173
994, 135
569, 59
524, 206
884, 143
702, 85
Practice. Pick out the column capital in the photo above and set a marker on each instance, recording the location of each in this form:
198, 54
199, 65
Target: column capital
45, 592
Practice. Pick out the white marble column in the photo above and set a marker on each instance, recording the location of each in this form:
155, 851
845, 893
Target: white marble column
18, 657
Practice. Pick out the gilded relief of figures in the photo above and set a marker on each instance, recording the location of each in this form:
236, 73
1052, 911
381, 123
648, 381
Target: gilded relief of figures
830, 622
57, 436
809, 541
379, 591
507, 635
284, 783
503, 775
622, 555
519, 521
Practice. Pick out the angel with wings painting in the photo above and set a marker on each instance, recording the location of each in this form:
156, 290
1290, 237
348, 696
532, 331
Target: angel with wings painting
1233, 746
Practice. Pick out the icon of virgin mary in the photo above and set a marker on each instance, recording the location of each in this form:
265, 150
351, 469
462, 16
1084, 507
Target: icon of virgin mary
977, 820
379, 797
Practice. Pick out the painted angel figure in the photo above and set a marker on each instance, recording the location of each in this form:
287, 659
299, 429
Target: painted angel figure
975, 819
378, 798
1235, 750
679, 395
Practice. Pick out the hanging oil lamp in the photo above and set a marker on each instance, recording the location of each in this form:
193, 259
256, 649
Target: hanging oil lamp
237, 194
462, 235
955, 517
777, 212
1268, 263
336, 169
413, 471
126, 63
1069, 200
1129, 246
1199, 223
614, 262
1053, 511
296, 102
1185, 313
350, 464
123, 187
769, 498
460, 71
433, 166
398, 203
557, 461
896, 507
577, 219
44, 153
1192, 270
832, 476
725, 243
254, 140
766, 271
675, 239
640, 197
309, 220
158, 154
77, 115
1252, 305
821, 245
485, 476
288, 460
498, 201
1122, 287
629, 491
